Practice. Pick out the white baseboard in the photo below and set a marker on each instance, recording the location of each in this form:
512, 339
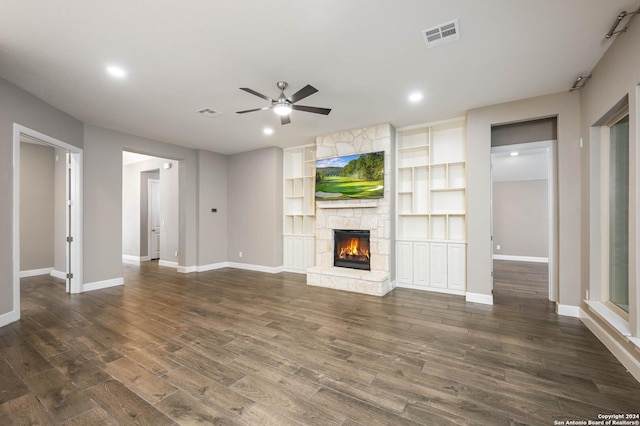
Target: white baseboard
623, 355
485, 299
168, 264
187, 269
568, 310
9, 317
521, 258
98, 285
257, 268
213, 266
135, 259
394, 284
58, 274
431, 289
35, 272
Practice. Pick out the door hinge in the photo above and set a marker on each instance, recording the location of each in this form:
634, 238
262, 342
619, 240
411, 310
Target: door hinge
69, 275
69, 239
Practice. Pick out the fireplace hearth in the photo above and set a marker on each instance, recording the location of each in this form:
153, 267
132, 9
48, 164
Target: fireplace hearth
352, 249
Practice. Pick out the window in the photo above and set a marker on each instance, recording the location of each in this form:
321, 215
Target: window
619, 214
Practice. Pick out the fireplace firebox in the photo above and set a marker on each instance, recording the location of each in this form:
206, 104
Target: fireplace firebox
351, 249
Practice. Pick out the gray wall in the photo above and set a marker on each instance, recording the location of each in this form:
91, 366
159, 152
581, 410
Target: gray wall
37, 212
255, 207
617, 75
212, 194
18, 106
520, 218
479, 122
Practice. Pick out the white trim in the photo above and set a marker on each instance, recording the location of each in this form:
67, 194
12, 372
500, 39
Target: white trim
168, 264
36, 272
521, 258
620, 325
211, 267
394, 284
127, 258
145, 258
75, 188
431, 289
187, 269
620, 352
9, 317
58, 274
257, 268
568, 310
485, 299
98, 285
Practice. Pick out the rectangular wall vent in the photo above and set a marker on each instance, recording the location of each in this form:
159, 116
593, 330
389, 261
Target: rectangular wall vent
441, 34
208, 112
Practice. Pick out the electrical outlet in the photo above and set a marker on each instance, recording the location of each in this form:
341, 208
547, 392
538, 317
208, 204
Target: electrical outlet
176, 253
498, 247
586, 294
240, 254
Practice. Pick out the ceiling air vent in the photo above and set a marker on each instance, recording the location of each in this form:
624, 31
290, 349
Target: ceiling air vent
208, 112
441, 34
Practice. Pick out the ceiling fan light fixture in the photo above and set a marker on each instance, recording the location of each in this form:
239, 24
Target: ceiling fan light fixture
282, 109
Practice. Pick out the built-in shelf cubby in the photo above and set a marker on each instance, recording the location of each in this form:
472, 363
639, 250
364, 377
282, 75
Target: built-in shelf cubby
299, 227
431, 204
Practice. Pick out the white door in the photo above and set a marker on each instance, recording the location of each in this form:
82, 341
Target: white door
154, 219
404, 262
438, 265
421, 264
456, 267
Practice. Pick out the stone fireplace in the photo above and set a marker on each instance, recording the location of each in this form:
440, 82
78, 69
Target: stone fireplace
369, 216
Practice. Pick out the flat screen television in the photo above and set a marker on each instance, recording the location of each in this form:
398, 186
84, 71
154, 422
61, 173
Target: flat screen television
350, 177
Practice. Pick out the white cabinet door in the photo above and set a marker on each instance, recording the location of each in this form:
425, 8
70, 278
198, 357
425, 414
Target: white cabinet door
289, 252
298, 253
309, 252
438, 265
421, 264
456, 267
404, 262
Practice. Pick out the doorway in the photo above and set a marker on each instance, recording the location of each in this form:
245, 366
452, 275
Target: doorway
523, 205
150, 209
69, 215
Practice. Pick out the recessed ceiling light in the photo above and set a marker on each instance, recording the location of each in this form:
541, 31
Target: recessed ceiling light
117, 72
415, 97
514, 154
267, 131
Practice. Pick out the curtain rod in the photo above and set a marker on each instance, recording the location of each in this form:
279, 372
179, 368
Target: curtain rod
619, 19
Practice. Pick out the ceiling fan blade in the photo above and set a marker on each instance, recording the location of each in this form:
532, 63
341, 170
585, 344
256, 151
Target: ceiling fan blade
302, 93
253, 92
316, 110
252, 110
285, 119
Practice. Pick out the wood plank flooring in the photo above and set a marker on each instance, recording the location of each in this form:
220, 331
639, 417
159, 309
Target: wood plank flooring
246, 348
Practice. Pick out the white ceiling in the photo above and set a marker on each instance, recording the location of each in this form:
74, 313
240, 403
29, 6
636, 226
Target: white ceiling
364, 57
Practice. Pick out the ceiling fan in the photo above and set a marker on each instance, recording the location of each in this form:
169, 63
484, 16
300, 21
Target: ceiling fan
285, 104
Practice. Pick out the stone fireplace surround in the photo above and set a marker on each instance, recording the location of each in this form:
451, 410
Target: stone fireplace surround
374, 215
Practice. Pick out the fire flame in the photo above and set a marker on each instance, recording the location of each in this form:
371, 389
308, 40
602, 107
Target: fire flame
352, 249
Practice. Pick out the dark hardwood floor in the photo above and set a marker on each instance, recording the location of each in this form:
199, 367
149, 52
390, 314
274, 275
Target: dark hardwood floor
240, 347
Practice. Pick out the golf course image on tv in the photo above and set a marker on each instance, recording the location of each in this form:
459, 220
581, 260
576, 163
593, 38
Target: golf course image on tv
350, 176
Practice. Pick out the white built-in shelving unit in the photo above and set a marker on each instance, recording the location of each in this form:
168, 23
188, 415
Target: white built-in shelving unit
299, 208
431, 205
